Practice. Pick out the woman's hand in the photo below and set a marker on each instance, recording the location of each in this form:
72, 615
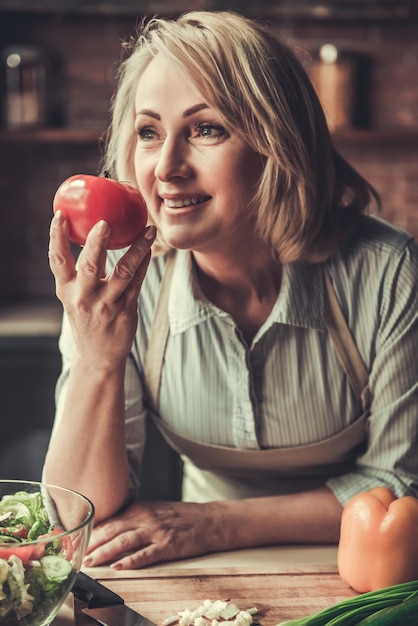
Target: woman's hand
102, 313
102, 309
151, 532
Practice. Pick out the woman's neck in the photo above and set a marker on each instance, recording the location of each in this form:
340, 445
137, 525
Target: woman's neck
244, 284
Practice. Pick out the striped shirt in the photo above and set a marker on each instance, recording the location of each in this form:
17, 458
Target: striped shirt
287, 388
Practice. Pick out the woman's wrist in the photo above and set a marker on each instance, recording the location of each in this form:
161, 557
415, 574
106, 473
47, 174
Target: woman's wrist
97, 365
312, 517
229, 526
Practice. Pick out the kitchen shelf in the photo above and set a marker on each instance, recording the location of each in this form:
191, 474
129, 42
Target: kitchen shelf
29, 318
383, 137
348, 137
53, 135
303, 9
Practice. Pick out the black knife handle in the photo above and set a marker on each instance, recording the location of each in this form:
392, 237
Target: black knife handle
94, 593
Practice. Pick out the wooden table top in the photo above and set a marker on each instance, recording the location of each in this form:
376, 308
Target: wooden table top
280, 588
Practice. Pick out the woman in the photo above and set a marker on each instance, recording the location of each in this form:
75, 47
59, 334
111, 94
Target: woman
278, 355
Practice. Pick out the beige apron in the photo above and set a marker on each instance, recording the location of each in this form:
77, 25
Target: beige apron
216, 472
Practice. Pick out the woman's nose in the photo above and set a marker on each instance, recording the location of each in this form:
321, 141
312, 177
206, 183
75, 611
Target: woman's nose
173, 161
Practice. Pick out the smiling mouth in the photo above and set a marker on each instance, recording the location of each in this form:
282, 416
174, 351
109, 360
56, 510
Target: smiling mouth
185, 202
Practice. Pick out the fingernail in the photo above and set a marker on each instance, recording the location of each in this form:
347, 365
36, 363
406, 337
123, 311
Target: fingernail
117, 566
88, 561
101, 227
150, 232
59, 217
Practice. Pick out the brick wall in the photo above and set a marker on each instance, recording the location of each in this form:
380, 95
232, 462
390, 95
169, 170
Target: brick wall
83, 51
387, 97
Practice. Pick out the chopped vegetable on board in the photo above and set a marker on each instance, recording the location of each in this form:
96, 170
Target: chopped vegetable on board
213, 613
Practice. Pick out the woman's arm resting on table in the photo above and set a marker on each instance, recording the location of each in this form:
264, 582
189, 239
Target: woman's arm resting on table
87, 451
152, 532
391, 456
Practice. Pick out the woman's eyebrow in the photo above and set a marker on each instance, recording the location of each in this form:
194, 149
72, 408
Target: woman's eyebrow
187, 113
195, 109
148, 113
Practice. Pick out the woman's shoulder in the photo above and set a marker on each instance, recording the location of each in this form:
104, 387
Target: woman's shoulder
377, 236
376, 253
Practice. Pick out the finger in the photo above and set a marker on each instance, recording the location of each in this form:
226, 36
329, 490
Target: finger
61, 260
146, 556
107, 531
142, 270
130, 270
103, 533
119, 546
134, 287
92, 259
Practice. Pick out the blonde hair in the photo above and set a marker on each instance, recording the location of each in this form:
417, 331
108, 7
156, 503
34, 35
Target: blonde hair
309, 198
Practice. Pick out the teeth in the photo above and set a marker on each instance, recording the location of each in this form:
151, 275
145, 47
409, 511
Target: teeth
178, 204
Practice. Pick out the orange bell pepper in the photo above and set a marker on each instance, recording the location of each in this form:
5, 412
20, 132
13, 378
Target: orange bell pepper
378, 544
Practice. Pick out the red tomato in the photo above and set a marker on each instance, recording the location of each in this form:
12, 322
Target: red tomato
18, 531
84, 200
22, 551
66, 544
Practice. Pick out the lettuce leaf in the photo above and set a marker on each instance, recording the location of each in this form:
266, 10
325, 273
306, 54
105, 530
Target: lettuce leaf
14, 589
27, 509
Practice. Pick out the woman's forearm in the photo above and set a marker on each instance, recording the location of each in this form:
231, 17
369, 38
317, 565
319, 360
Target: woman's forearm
150, 532
308, 517
87, 449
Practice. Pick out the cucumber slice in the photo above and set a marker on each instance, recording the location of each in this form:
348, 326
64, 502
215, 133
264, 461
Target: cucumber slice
56, 567
6, 537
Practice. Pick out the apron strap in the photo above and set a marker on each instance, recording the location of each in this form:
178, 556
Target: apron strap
161, 467
347, 351
158, 338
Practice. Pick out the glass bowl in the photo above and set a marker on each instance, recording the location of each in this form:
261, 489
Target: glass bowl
44, 533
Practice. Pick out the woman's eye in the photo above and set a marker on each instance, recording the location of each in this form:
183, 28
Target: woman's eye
210, 130
146, 133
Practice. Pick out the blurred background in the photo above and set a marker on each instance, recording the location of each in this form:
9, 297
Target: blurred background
57, 68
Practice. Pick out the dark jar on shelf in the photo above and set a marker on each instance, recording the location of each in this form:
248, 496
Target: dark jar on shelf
24, 87
334, 75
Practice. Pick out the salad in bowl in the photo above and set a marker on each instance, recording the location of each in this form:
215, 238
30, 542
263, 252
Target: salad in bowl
44, 533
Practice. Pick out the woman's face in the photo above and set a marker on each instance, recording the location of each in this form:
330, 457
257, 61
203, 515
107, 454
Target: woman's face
194, 174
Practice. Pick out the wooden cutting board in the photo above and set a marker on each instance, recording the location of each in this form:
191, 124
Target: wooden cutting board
278, 593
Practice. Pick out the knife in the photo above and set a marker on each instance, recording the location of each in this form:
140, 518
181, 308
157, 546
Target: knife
105, 606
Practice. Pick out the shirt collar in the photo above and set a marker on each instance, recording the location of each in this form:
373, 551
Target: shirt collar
301, 298
187, 306
299, 303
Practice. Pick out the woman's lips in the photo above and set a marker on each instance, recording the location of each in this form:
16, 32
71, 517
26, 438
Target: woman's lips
181, 203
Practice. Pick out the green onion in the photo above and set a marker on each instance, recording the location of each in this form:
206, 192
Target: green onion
403, 614
357, 609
